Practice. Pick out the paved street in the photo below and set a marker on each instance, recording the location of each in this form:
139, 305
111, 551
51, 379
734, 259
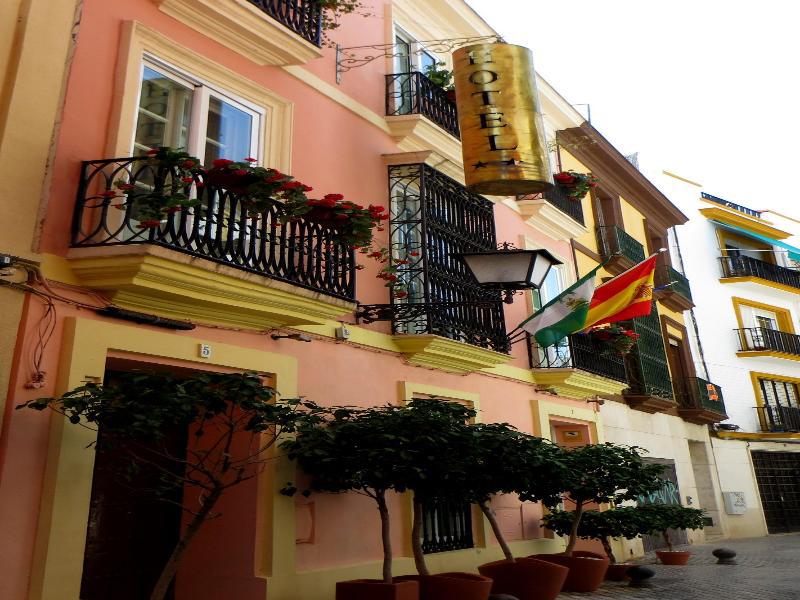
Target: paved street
768, 569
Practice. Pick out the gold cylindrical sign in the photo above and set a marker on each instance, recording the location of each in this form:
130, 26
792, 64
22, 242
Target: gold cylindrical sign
502, 134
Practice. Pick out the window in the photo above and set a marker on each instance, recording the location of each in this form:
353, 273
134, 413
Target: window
552, 286
180, 111
778, 393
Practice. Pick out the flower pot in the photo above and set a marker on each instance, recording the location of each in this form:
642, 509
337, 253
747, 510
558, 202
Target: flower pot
673, 557
525, 578
376, 589
464, 586
564, 178
618, 571
586, 574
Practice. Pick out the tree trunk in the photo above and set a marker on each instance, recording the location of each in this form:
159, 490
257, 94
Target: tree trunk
490, 516
380, 498
416, 540
607, 548
665, 533
174, 561
573, 532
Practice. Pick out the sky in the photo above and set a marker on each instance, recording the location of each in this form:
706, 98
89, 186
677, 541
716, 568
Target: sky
706, 89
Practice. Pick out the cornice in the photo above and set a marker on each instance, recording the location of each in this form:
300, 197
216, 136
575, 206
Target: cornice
588, 146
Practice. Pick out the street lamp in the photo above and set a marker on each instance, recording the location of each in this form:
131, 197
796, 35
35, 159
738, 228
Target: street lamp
509, 269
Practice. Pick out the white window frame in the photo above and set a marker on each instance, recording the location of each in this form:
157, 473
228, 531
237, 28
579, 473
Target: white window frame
198, 123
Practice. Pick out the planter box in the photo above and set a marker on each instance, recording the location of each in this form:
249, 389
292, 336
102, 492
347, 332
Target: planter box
375, 589
526, 578
586, 574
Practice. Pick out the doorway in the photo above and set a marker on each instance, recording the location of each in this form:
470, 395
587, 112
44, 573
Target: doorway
132, 529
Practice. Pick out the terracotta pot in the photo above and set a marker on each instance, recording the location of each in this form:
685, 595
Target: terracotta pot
463, 586
525, 578
466, 586
375, 589
564, 179
618, 571
586, 574
674, 557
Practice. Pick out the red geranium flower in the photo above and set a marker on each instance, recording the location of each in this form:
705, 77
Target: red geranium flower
240, 172
335, 197
221, 162
250, 159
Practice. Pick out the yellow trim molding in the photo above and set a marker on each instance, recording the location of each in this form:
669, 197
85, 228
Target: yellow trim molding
741, 435
739, 219
784, 314
172, 284
544, 412
437, 352
138, 40
416, 133
64, 511
244, 28
551, 221
771, 353
757, 280
578, 384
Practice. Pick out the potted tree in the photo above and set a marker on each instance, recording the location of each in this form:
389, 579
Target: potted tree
660, 518
234, 421
508, 461
354, 450
599, 474
601, 526
433, 458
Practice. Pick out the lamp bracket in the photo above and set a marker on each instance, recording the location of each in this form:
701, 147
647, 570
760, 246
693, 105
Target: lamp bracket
358, 56
369, 313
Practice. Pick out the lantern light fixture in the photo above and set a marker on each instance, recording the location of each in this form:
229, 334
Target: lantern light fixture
508, 269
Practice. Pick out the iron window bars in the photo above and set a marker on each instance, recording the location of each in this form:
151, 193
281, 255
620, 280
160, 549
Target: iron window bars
301, 252
433, 219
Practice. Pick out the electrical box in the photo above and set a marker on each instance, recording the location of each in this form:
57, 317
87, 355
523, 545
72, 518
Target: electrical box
735, 503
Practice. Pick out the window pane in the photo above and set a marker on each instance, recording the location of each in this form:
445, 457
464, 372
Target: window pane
229, 132
165, 108
426, 60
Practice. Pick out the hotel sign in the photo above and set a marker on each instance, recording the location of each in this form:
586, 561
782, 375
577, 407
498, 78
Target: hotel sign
502, 134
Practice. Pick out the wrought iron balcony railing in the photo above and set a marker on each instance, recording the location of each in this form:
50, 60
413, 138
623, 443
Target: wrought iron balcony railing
733, 205
613, 240
746, 266
677, 281
760, 338
776, 419
413, 93
219, 229
697, 393
304, 17
558, 197
578, 352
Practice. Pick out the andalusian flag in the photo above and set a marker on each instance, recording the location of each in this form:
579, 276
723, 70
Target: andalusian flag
582, 306
564, 314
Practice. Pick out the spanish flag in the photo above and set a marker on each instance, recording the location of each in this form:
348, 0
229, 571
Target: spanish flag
582, 305
626, 296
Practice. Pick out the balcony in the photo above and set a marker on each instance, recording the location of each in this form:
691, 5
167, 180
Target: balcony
620, 248
745, 268
699, 401
553, 213
738, 207
768, 342
577, 368
415, 94
675, 293
779, 419
422, 119
268, 32
212, 262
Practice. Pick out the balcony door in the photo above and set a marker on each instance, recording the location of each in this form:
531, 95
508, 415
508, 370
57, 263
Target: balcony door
409, 56
678, 367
